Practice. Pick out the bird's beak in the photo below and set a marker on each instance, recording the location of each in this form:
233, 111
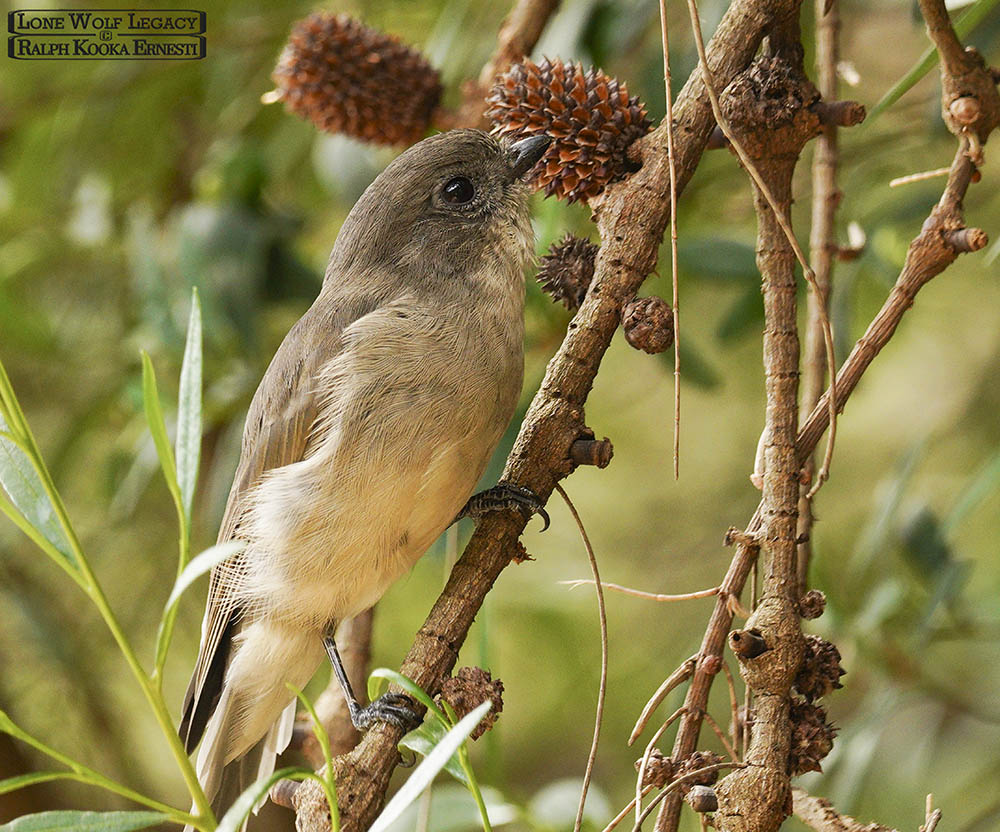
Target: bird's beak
525, 153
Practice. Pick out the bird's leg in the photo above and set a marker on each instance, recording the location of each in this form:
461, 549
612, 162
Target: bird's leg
504, 497
394, 708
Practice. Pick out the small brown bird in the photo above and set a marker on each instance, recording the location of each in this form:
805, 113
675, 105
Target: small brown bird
365, 439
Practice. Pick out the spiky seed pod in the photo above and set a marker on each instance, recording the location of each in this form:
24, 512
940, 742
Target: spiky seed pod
812, 604
589, 116
821, 671
659, 771
567, 270
468, 689
349, 78
648, 324
698, 760
812, 737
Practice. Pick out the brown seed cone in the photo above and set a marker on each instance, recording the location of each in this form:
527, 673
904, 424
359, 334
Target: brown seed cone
588, 115
660, 770
349, 78
648, 324
812, 737
821, 671
468, 689
698, 760
566, 271
812, 604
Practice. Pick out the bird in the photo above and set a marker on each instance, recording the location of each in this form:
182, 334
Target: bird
365, 440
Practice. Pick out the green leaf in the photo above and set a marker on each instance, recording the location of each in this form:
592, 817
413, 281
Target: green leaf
27, 494
197, 566
188, 442
12, 784
243, 806
409, 686
202, 563
965, 24
69, 821
425, 738
429, 768
158, 428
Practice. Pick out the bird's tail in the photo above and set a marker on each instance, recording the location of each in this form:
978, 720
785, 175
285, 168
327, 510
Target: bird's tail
224, 782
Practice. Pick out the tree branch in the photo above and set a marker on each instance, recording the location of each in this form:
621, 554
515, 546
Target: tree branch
632, 216
819, 814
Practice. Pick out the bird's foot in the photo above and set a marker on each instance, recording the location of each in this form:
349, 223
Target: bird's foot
504, 497
393, 708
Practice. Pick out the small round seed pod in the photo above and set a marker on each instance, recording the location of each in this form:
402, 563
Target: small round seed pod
702, 799
812, 737
589, 116
821, 671
648, 324
468, 689
348, 78
812, 604
567, 270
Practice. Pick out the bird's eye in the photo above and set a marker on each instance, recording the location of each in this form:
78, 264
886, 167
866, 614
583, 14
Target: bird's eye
458, 191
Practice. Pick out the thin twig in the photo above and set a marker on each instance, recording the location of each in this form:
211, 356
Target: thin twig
602, 691
681, 674
638, 593
722, 737
676, 784
624, 813
807, 271
641, 774
822, 251
673, 237
918, 177
734, 706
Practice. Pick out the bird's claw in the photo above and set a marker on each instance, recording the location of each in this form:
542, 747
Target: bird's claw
505, 497
393, 708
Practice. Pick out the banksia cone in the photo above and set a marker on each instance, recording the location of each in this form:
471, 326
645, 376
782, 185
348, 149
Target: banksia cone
588, 115
468, 689
699, 760
812, 737
812, 604
821, 671
659, 770
566, 271
648, 324
349, 78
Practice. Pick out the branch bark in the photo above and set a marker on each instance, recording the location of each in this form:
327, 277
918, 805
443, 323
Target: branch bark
818, 813
631, 218
768, 110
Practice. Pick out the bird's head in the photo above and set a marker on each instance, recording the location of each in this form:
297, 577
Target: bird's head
443, 206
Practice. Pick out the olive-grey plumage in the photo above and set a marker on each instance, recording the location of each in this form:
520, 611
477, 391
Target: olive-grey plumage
368, 433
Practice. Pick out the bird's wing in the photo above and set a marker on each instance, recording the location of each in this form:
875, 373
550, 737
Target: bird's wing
278, 427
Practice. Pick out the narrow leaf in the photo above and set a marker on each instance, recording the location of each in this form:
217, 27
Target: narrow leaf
244, 804
12, 784
965, 24
429, 768
20, 480
69, 821
202, 563
425, 738
157, 427
188, 443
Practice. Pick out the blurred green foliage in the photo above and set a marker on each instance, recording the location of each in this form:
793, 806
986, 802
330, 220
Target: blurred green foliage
123, 184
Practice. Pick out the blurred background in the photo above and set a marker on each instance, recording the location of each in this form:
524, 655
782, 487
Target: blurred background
123, 184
